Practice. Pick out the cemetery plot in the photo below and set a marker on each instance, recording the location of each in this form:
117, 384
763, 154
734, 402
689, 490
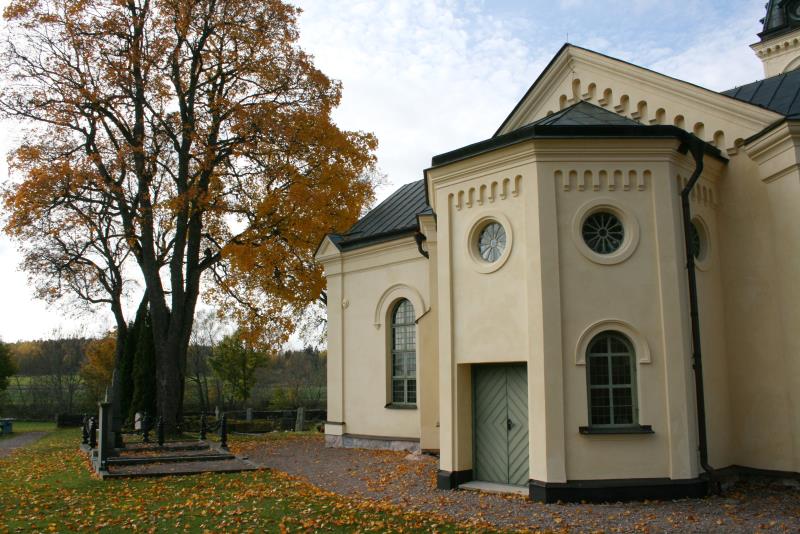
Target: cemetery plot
111, 457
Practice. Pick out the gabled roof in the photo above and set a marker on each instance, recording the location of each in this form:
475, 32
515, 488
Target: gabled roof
780, 93
394, 217
585, 114
752, 116
580, 121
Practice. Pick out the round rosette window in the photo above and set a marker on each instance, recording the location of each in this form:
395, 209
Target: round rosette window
492, 242
603, 232
489, 242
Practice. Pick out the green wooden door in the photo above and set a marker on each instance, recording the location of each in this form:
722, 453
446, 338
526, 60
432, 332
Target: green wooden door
500, 423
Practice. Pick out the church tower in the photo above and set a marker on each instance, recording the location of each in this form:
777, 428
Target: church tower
779, 47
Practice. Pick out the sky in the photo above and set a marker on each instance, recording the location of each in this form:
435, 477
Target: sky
428, 76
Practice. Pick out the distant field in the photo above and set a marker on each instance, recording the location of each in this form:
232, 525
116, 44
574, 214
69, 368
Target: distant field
21, 427
23, 380
36, 397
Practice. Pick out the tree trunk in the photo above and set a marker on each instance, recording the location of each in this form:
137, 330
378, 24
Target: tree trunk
204, 389
168, 380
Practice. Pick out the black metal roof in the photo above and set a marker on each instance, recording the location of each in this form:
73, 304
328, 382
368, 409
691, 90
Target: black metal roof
580, 121
585, 114
780, 93
394, 217
397, 215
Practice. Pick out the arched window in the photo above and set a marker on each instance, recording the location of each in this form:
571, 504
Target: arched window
611, 377
404, 354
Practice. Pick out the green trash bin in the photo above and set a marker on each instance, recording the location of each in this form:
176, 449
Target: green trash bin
5, 426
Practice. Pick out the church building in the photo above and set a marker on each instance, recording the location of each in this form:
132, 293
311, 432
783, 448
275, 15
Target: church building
599, 302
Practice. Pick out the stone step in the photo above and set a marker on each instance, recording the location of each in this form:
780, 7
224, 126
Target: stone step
141, 460
158, 469
168, 446
154, 452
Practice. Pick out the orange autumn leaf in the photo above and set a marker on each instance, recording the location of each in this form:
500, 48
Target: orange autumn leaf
183, 147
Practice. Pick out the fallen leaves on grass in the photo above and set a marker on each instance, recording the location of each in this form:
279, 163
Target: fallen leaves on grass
50, 488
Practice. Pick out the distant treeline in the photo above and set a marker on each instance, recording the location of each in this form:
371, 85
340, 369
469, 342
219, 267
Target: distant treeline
48, 378
69, 375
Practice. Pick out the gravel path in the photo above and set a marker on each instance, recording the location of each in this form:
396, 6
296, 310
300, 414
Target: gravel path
409, 480
7, 445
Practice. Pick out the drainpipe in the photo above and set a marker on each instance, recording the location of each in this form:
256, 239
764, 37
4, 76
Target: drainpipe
696, 147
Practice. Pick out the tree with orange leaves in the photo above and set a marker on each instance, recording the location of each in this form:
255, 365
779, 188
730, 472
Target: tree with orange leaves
98, 365
175, 147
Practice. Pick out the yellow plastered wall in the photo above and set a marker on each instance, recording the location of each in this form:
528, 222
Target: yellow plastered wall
482, 315
779, 54
363, 286
760, 254
536, 303
629, 292
547, 294
705, 205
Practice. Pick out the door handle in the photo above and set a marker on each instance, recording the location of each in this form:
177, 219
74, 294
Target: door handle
509, 424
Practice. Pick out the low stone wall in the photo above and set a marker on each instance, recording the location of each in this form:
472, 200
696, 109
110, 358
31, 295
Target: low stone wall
349, 441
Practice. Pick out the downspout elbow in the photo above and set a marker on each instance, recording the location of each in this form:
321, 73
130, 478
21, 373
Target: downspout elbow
420, 238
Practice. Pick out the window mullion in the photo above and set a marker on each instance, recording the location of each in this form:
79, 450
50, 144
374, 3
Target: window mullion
610, 360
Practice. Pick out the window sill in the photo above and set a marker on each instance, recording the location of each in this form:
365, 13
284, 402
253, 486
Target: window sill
395, 406
637, 429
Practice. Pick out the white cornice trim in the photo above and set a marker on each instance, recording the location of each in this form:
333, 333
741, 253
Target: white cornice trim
794, 168
385, 246
773, 140
544, 150
327, 251
756, 118
778, 45
776, 152
724, 105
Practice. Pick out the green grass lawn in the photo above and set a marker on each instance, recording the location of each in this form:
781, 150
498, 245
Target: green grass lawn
21, 427
50, 487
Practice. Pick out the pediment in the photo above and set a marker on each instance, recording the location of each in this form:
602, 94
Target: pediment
327, 250
577, 74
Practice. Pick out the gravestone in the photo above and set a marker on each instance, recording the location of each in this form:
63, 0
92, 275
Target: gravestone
105, 444
116, 415
138, 421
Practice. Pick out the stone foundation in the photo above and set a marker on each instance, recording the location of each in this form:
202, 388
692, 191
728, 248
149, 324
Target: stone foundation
350, 441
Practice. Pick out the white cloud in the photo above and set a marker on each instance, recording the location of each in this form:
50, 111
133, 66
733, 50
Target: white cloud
425, 76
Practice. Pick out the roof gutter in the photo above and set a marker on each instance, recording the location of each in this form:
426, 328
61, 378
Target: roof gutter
696, 147
571, 132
